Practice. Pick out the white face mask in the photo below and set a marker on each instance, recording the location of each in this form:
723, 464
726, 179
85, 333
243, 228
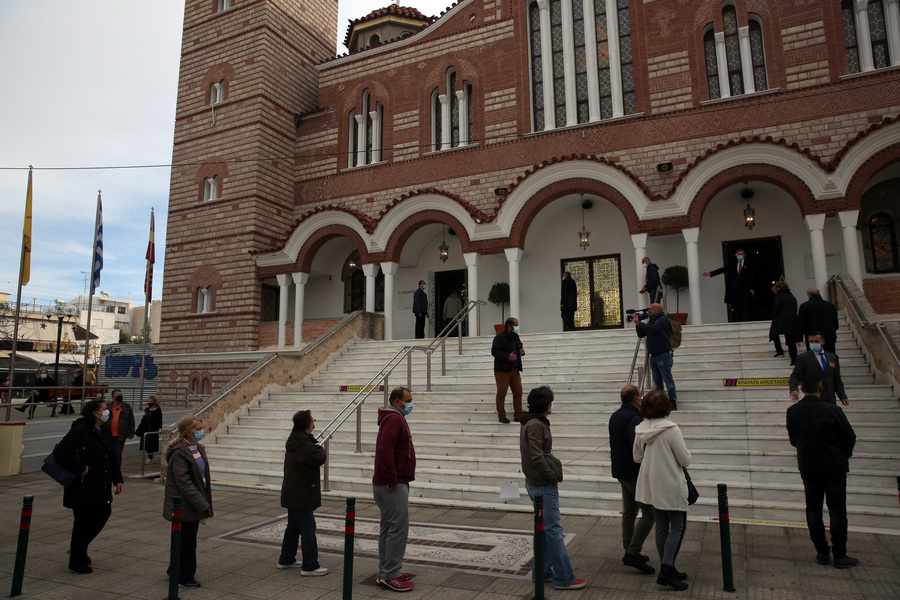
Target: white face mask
43, 376
104, 416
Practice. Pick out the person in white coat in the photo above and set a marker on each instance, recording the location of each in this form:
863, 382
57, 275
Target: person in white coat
659, 448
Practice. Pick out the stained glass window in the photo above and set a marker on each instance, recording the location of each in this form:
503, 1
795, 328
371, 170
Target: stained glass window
537, 74
351, 150
438, 119
600, 23
629, 98
848, 16
559, 71
732, 51
454, 109
581, 80
878, 34
471, 120
884, 243
758, 56
712, 65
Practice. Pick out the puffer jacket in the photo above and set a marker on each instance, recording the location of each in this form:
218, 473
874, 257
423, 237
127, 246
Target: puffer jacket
183, 479
301, 488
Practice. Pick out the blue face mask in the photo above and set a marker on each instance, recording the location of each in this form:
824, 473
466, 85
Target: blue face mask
407, 408
815, 347
515, 329
198, 435
740, 257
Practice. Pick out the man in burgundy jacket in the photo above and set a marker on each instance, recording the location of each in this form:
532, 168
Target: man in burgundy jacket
395, 467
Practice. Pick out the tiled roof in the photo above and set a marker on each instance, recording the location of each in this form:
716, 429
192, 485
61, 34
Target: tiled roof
389, 10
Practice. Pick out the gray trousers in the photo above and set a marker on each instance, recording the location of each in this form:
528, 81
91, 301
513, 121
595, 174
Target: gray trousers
633, 536
670, 526
394, 528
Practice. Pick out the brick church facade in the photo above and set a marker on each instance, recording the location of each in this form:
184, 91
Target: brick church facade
309, 184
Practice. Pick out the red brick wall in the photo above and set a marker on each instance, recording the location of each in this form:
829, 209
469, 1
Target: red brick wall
883, 294
312, 330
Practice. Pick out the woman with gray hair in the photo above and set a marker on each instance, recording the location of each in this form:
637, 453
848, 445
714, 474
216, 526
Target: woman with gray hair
187, 475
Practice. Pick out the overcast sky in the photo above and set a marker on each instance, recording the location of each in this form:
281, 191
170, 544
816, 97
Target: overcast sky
93, 84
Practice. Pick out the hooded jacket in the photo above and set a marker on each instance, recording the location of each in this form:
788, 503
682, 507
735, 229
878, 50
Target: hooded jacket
659, 448
395, 457
301, 488
84, 447
540, 467
183, 479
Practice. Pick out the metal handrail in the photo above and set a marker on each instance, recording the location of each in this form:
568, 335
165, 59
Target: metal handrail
59, 396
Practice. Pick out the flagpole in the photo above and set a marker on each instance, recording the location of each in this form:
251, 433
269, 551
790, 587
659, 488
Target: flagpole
26, 249
148, 294
87, 337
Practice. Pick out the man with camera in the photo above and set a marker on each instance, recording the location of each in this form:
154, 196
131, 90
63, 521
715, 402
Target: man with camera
657, 330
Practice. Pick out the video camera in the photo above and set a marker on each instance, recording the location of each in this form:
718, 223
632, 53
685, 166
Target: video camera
642, 313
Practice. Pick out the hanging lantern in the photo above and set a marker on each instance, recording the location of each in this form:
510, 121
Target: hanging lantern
749, 217
444, 248
584, 235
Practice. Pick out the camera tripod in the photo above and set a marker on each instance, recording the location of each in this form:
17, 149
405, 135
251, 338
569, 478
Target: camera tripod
643, 370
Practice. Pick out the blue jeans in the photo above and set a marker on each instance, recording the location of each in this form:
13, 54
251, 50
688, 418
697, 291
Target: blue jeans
661, 367
556, 558
301, 528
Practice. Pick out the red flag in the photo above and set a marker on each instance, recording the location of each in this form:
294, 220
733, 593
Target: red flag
151, 258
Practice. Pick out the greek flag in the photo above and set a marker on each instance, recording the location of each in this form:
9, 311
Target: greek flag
98, 248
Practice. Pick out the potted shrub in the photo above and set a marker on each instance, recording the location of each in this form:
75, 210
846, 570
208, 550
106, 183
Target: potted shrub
675, 278
499, 295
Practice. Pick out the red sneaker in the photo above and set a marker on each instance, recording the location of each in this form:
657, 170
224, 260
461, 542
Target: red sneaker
398, 584
579, 583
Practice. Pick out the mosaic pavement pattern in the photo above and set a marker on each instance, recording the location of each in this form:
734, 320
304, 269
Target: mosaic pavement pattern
505, 552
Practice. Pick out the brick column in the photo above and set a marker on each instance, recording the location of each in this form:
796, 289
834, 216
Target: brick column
816, 223
514, 255
283, 281
389, 269
849, 218
370, 271
691, 236
300, 280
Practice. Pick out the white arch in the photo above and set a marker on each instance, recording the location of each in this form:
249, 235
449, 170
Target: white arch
867, 147
820, 183
581, 169
388, 225
305, 230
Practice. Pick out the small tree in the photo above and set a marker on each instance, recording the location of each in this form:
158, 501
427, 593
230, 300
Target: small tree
676, 278
499, 295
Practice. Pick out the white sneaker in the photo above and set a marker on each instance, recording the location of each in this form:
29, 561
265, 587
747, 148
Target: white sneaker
294, 564
317, 573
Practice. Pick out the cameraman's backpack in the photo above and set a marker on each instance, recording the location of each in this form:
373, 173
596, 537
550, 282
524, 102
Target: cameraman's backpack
674, 333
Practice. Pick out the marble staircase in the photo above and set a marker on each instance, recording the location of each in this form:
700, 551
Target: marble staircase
736, 434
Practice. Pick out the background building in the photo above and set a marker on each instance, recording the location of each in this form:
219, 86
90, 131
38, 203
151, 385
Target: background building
316, 184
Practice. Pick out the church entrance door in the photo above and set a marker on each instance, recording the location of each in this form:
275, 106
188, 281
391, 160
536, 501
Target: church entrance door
767, 260
599, 283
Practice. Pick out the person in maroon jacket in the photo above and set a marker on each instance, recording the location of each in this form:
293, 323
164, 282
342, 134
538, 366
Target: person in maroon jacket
395, 467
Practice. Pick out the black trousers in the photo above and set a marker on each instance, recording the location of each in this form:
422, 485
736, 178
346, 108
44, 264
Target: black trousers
188, 564
420, 326
88, 524
791, 342
832, 487
568, 319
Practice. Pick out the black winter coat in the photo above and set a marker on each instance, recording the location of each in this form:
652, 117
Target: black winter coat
301, 488
822, 435
817, 314
504, 344
784, 315
621, 442
151, 421
84, 447
568, 297
737, 285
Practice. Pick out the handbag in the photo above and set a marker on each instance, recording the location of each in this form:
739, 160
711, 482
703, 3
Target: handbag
693, 494
55, 470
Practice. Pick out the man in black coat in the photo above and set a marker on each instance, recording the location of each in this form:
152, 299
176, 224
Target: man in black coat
508, 352
824, 440
420, 309
739, 286
568, 301
621, 442
652, 284
823, 365
817, 314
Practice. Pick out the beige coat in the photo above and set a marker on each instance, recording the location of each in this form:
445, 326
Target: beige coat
659, 448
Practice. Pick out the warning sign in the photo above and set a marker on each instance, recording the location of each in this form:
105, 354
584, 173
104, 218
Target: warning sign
359, 388
754, 382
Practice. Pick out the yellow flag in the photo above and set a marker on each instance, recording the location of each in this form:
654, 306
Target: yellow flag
26, 236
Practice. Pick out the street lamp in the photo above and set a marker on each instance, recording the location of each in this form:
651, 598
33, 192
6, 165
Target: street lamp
61, 312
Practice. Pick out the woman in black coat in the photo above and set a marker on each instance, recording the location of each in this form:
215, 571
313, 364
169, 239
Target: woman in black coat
301, 494
87, 451
784, 320
151, 422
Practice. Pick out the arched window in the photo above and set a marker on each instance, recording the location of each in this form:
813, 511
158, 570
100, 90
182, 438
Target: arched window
217, 92
582, 68
451, 114
222, 5
355, 285
869, 21
211, 188
732, 50
206, 386
365, 131
884, 243
735, 59
204, 299
712, 64
758, 56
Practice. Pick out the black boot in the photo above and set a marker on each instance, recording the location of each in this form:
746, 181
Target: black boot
667, 577
680, 575
635, 560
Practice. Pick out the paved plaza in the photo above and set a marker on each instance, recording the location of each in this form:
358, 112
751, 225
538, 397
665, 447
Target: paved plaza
130, 556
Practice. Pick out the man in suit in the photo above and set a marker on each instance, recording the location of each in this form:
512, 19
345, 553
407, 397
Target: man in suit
824, 440
825, 366
817, 314
568, 301
420, 309
738, 286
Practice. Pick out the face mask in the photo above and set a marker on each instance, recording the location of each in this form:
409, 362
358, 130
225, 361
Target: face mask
104, 416
815, 347
43, 376
515, 329
740, 257
407, 408
198, 435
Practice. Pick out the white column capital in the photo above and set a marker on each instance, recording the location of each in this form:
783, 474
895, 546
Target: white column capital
639, 240
370, 270
300, 278
472, 259
283, 279
815, 222
514, 254
390, 268
692, 235
849, 218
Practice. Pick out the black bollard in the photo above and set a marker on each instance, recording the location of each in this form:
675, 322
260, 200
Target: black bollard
22, 547
538, 547
349, 531
175, 549
725, 539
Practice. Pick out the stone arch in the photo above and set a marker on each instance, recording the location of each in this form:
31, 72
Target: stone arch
785, 180
866, 172
566, 187
317, 240
408, 226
